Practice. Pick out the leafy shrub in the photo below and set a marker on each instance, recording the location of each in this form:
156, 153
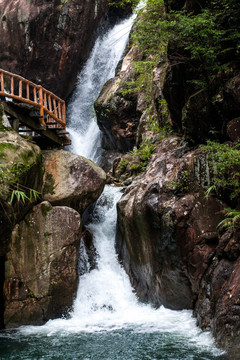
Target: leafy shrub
11, 177
224, 162
141, 156
232, 219
207, 38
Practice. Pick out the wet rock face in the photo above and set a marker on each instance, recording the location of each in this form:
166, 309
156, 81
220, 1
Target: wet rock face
71, 180
217, 307
166, 233
118, 113
169, 242
90, 250
201, 114
41, 265
48, 41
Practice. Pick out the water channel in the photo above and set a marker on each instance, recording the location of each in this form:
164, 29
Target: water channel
107, 321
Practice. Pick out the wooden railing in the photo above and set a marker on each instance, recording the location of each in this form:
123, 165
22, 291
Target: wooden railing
52, 109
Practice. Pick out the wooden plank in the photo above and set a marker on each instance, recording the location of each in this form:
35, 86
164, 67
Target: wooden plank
12, 85
2, 82
20, 89
48, 102
28, 93
17, 112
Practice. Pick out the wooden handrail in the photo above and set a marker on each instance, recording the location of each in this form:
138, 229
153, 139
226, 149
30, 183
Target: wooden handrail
16, 87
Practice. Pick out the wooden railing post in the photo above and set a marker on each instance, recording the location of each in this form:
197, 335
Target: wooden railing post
48, 104
2, 82
40, 94
64, 113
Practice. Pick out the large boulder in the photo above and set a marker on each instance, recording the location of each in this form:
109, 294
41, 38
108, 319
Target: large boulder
171, 245
41, 265
166, 232
48, 41
71, 180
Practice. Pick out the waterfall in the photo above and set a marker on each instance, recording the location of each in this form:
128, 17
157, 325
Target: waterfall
100, 67
106, 305
107, 321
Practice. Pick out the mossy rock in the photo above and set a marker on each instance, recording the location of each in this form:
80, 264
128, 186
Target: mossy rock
20, 169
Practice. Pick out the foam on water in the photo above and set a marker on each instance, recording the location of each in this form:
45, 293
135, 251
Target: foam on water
105, 300
100, 67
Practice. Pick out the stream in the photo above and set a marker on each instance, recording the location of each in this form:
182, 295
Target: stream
107, 322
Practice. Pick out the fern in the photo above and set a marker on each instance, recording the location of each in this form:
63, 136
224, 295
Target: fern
232, 219
20, 195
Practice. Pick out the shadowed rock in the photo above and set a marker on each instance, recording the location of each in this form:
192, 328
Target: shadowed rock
48, 41
41, 265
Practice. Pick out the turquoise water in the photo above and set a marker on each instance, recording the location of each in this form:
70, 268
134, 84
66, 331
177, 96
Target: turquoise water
108, 322
115, 345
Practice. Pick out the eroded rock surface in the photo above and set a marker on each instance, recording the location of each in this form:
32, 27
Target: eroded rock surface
71, 180
117, 110
41, 265
48, 41
170, 244
217, 307
166, 233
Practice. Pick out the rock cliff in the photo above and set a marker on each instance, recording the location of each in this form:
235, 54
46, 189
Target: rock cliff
48, 41
41, 265
175, 237
166, 235
43, 195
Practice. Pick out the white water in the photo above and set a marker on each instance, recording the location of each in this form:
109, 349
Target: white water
100, 67
105, 300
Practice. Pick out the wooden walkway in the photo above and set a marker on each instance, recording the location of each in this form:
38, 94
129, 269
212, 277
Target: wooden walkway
38, 111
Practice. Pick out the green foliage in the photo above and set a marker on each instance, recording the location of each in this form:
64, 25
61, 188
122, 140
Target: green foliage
10, 176
45, 208
143, 80
182, 185
148, 35
46, 234
198, 35
31, 294
224, 162
153, 124
137, 160
141, 156
123, 165
20, 195
212, 189
123, 3
201, 40
49, 184
232, 219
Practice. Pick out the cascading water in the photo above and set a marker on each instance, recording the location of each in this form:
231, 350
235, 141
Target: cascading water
107, 322
100, 67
